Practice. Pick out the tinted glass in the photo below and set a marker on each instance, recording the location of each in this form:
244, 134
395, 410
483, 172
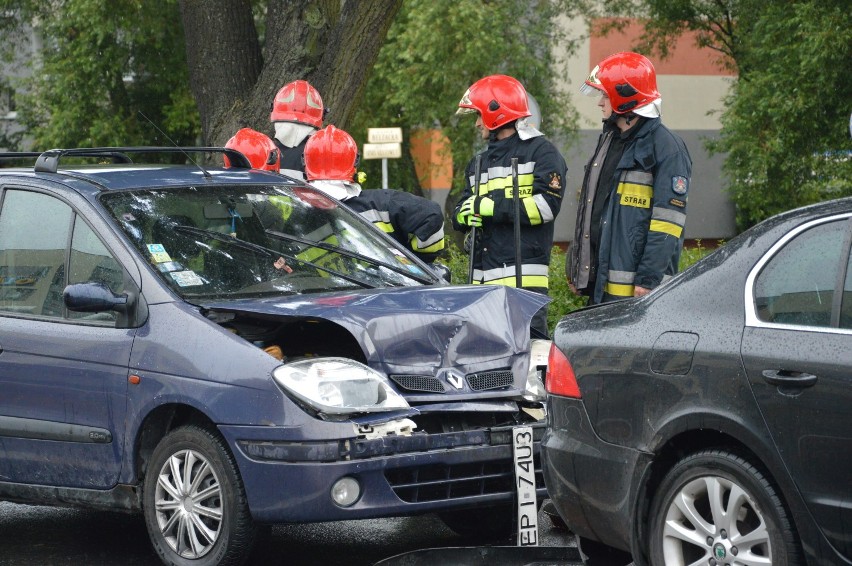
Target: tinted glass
846, 306
90, 261
797, 285
32, 257
257, 241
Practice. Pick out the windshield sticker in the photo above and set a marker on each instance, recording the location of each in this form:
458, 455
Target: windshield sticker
186, 278
170, 266
158, 253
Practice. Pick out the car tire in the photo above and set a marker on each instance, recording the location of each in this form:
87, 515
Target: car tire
486, 523
695, 520
221, 530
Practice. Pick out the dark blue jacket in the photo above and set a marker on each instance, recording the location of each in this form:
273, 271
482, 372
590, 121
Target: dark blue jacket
642, 225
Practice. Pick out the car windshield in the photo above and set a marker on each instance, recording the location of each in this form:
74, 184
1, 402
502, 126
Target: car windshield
241, 241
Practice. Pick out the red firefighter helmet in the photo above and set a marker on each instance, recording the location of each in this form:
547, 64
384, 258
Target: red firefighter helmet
257, 147
628, 79
299, 102
331, 155
499, 99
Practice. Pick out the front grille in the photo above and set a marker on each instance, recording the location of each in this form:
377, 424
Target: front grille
442, 482
485, 380
419, 383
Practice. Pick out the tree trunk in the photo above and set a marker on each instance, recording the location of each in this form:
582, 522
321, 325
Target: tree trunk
224, 58
330, 43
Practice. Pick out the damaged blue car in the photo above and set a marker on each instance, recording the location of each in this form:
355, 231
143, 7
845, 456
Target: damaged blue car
222, 349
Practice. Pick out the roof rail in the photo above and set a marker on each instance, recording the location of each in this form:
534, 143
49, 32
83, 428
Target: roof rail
48, 161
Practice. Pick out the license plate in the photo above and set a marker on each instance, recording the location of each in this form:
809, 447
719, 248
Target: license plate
522, 449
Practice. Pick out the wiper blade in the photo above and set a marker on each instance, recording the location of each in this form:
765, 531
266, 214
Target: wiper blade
355, 255
228, 239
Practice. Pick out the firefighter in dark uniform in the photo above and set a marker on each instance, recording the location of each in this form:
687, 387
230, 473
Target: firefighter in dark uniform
297, 112
502, 107
331, 160
632, 209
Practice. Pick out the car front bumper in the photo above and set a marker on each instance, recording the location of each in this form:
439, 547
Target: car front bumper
591, 482
399, 475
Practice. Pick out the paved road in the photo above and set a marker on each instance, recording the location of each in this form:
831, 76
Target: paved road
43, 536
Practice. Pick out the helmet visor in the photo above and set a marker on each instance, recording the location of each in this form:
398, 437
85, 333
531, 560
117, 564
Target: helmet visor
592, 85
465, 105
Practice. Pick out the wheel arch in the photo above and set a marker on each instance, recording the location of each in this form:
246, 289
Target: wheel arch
733, 438
158, 423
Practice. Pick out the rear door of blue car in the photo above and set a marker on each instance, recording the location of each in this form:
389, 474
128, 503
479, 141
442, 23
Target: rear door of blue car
63, 375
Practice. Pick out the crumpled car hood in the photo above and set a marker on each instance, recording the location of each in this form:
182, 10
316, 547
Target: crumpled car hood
419, 329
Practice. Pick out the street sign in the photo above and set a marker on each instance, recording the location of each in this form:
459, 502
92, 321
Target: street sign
384, 135
382, 151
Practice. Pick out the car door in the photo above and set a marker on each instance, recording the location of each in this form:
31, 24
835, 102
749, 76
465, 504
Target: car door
797, 351
63, 375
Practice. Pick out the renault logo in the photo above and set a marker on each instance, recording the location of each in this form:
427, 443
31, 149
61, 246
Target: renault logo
455, 379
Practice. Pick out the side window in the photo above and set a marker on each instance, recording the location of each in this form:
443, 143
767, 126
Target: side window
797, 285
34, 230
34, 238
90, 261
846, 305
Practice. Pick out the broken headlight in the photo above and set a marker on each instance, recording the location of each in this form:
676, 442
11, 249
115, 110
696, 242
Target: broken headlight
534, 390
338, 386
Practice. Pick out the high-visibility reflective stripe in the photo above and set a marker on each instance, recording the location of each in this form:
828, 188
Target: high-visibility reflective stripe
375, 216
669, 215
437, 237
384, 226
543, 208
418, 246
502, 172
625, 277
504, 184
539, 281
313, 254
619, 290
509, 271
532, 211
666, 228
639, 177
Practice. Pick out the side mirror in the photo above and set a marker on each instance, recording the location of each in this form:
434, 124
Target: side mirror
94, 296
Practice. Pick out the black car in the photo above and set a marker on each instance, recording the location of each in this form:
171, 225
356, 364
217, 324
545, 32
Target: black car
710, 422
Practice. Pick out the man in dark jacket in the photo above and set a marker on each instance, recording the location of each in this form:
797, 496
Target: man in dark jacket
632, 208
331, 159
488, 204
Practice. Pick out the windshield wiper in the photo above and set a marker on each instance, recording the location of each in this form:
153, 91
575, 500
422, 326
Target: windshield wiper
228, 239
355, 255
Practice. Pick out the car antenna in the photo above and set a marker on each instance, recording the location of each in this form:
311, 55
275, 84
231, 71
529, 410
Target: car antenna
165, 135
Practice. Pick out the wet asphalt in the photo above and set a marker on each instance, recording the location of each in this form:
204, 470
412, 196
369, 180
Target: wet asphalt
42, 536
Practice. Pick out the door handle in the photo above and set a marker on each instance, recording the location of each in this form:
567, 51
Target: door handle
789, 378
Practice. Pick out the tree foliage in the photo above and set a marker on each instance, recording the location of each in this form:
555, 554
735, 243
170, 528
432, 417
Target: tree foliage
785, 123
108, 73
118, 72
436, 49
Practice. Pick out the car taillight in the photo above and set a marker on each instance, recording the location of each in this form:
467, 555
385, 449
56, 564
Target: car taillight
560, 379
